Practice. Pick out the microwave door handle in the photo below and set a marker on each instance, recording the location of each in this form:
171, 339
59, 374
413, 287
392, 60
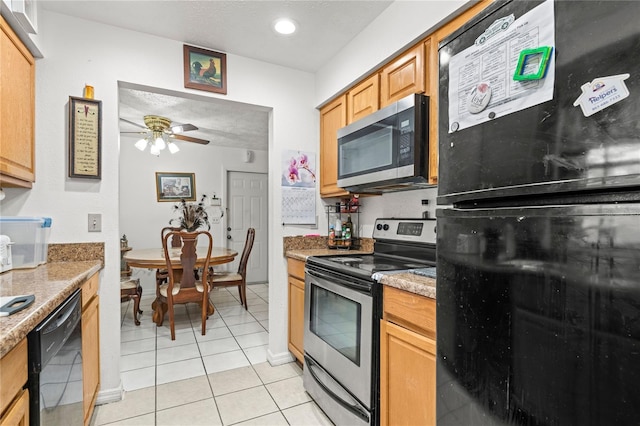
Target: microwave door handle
354, 409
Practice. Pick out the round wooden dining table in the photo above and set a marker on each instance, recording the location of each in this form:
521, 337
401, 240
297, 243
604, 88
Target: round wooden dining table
153, 258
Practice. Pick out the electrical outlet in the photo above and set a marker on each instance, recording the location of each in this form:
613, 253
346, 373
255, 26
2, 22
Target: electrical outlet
95, 222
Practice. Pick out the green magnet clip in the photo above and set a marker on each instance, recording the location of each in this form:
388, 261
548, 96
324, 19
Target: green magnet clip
529, 59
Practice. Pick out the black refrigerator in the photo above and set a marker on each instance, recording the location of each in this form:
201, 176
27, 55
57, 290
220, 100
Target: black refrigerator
538, 225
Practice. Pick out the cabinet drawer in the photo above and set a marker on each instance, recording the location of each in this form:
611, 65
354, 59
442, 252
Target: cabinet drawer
415, 312
13, 374
89, 289
296, 268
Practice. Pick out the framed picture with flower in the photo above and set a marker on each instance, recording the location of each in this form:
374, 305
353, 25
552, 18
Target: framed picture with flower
205, 70
171, 186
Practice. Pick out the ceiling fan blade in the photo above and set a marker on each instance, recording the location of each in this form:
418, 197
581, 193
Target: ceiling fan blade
190, 139
131, 122
179, 128
133, 133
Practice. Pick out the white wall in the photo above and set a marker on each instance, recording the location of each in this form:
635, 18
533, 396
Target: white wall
401, 24
78, 52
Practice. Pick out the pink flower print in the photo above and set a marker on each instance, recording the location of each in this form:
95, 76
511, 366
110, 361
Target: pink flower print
293, 175
304, 161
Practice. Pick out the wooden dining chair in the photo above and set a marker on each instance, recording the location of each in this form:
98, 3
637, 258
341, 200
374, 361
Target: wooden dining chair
162, 274
182, 286
228, 279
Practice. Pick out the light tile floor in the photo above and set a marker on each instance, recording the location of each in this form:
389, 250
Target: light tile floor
221, 378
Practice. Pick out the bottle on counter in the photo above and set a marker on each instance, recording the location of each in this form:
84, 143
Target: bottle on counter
338, 228
332, 236
349, 225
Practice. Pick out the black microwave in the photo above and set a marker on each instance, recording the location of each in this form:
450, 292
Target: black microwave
388, 150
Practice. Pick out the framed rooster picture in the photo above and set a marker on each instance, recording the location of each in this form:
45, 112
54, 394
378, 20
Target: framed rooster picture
205, 70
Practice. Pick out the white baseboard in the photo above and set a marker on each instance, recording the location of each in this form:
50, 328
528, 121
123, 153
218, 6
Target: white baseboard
105, 396
279, 358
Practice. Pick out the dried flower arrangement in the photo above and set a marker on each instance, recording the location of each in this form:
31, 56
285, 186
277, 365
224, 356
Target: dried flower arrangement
193, 216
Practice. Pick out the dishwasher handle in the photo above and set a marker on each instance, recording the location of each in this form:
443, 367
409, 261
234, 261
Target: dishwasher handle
61, 317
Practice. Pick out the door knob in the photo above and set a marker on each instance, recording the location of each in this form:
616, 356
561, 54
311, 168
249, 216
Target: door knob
228, 237
228, 228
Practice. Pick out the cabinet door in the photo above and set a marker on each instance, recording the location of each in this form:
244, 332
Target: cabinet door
296, 317
18, 412
17, 110
431, 90
333, 116
402, 77
407, 377
90, 357
363, 99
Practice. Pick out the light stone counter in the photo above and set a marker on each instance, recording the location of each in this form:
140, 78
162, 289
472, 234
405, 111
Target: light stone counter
412, 283
51, 284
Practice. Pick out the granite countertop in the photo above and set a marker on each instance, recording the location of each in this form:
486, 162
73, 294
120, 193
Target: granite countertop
412, 283
51, 284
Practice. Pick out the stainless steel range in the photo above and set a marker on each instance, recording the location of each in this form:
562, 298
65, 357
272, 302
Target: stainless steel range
343, 307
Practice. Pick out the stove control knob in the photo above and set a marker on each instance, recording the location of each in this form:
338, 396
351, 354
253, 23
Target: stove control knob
386, 227
379, 227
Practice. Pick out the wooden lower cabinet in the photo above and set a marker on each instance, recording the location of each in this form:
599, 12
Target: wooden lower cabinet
18, 413
90, 346
407, 364
296, 308
14, 401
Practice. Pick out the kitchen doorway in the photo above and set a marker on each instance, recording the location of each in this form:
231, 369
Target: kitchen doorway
247, 201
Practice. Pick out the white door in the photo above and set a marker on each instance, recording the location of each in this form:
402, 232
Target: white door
247, 208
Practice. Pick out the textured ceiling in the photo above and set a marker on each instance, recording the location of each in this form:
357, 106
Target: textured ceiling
222, 122
236, 27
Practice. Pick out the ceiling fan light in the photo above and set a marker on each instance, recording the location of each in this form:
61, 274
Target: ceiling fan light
173, 148
160, 143
154, 150
141, 144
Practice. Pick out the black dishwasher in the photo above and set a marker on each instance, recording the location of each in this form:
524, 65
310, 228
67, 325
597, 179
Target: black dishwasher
55, 367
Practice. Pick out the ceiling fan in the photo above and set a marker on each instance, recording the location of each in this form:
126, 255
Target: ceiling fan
159, 134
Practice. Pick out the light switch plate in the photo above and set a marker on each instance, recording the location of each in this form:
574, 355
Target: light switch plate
95, 222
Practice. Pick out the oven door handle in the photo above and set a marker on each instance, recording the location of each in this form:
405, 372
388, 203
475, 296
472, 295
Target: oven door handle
337, 280
354, 409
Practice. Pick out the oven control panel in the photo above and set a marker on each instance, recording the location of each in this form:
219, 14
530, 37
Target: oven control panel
414, 230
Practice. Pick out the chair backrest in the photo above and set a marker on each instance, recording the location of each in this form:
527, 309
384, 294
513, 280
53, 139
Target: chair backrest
188, 257
175, 240
248, 245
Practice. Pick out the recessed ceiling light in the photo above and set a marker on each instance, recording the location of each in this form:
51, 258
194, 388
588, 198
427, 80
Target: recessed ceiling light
284, 26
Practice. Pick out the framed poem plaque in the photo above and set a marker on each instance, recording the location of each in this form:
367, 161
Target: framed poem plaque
85, 138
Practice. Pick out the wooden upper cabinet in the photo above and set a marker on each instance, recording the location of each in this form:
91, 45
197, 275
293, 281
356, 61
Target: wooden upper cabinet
431, 89
333, 116
402, 77
17, 110
363, 99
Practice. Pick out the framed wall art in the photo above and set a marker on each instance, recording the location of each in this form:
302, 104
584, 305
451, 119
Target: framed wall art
175, 186
205, 70
85, 138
